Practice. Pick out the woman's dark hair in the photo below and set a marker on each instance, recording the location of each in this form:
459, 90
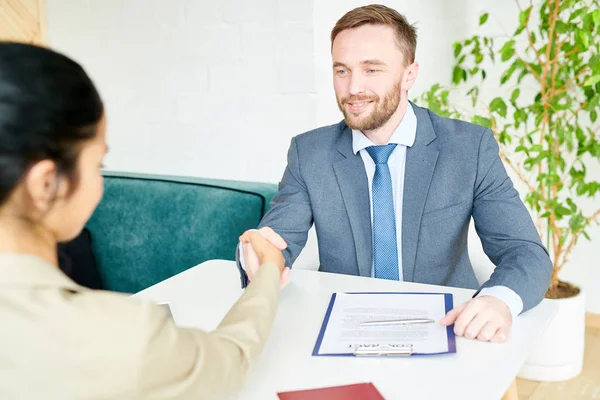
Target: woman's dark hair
48, 107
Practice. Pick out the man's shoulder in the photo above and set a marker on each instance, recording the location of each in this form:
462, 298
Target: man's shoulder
451, 128
321, 136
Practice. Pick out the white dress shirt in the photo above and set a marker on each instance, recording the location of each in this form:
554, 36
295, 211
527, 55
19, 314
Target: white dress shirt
404, 137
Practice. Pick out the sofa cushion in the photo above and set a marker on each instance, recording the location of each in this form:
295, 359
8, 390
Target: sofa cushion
149, 228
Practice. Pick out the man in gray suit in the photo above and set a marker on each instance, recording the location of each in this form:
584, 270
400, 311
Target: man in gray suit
392, 188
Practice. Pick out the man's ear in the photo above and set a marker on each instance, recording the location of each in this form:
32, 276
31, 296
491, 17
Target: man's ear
410, 76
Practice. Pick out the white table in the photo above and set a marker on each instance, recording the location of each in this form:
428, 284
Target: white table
201, 296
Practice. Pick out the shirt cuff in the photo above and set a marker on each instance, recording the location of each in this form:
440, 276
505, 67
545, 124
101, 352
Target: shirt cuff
241, 252
508, 296
241, 256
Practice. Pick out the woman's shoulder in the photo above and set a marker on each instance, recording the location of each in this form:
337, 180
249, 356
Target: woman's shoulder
116, 312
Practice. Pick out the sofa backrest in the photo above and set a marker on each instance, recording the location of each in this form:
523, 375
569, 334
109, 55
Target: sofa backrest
148, 228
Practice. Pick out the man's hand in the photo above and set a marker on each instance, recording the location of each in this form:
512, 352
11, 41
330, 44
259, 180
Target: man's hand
252, 261
486, 318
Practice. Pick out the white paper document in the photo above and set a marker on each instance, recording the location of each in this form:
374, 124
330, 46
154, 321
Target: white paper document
342, 334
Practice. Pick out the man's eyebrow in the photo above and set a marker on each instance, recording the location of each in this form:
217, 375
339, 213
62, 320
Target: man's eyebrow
373, 61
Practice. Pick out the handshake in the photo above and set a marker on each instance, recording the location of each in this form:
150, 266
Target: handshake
264, 246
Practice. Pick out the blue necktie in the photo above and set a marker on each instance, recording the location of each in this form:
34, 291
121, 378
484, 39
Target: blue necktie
385, 246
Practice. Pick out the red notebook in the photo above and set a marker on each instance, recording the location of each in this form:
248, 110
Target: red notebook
361, 391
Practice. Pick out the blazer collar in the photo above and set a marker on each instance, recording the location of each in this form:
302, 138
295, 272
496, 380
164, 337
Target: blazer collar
29, 271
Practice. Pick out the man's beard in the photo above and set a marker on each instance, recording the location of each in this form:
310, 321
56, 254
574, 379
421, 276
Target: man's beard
382, 110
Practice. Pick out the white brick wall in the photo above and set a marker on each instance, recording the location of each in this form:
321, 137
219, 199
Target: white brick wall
183, 78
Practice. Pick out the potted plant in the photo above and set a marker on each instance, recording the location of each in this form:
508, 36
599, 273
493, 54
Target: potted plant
544, 114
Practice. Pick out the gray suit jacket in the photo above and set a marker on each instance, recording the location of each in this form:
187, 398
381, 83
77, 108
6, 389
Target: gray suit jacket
453, 172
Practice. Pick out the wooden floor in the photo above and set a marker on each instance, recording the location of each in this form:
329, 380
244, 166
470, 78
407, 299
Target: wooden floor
585, 386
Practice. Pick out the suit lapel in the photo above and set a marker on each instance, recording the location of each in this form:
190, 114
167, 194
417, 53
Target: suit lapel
354, 187
420, 164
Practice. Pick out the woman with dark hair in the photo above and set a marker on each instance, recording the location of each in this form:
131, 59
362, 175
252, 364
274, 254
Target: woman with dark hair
59, 340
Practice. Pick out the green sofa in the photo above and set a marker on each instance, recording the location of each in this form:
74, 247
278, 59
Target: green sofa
148, 228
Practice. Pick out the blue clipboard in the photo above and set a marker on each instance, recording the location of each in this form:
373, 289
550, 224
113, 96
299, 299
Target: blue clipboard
448, 302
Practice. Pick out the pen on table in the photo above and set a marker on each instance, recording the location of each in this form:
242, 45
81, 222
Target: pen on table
413, 321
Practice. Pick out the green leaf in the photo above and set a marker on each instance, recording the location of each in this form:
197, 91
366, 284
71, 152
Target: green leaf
563, 210
483, 19
508, 45
567, 47
561, 27
520, 115
457, 49
577, 222
572, 205
579, 134
593, 103
584, 38
588, 22
515, 95
508, 73
479, 120
474, 93
533, 37
595, 64
593, 115
498, 105
507, 54
589, 92
508, 50
592, 80
529, 163
577, 13
457, 74
520, 149
596, 17
566, 4
524, 16
569, 139
520, 29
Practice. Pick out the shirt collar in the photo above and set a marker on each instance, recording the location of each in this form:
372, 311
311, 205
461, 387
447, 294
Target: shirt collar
404, 134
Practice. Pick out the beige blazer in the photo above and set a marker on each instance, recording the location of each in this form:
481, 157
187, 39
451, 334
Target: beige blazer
61, 341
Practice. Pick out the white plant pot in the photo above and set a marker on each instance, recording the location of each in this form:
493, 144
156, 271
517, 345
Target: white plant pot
558, 354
